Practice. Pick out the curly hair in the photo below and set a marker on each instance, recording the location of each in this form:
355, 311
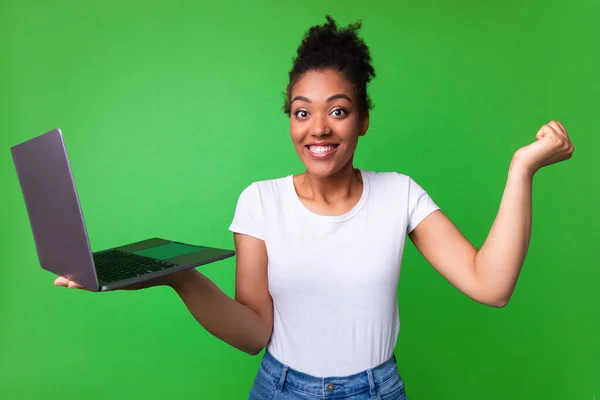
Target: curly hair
340, 49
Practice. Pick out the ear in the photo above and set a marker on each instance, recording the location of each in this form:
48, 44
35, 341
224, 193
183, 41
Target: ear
364, 125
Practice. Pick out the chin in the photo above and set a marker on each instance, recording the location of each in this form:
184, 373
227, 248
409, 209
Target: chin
323, 171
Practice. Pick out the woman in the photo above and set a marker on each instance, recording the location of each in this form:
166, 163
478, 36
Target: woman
318, 254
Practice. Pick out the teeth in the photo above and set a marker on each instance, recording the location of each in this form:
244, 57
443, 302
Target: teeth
321, 149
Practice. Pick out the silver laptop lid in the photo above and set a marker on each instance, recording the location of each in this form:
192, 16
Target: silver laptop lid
53, 208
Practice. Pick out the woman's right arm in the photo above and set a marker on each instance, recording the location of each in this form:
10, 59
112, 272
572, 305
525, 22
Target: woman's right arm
245, 322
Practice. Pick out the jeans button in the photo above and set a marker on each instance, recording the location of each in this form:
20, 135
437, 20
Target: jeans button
330, 387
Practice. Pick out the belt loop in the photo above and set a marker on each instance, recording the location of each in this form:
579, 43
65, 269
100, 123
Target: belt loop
282, 378
372, 388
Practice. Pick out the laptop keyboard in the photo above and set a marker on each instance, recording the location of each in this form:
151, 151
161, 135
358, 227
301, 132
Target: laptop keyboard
115, 265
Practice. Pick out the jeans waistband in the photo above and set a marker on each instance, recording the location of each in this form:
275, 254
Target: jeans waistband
329, 387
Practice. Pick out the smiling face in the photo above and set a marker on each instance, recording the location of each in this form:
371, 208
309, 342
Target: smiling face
325, 122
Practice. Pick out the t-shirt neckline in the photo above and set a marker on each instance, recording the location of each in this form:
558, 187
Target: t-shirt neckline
331, 218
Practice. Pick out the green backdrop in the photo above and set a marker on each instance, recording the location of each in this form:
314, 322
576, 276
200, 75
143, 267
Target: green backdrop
169, 109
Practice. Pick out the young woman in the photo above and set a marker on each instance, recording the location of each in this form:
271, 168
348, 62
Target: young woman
318, 254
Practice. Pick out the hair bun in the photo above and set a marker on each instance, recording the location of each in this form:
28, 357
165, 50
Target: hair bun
329, 47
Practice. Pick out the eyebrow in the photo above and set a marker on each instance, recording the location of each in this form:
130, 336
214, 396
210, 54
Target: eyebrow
331, 98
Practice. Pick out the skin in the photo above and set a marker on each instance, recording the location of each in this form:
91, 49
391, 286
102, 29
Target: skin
324, 108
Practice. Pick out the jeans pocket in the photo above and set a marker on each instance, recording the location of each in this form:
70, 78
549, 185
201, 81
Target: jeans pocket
392, 388
264, 386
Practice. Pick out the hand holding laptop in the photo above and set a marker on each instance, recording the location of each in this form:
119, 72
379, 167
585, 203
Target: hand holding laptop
61, 236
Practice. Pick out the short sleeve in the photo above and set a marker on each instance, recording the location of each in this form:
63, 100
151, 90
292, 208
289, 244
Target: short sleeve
248, 217
420, 205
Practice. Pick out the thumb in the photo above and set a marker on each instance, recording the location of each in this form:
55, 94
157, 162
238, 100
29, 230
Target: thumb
541, 133
61, 281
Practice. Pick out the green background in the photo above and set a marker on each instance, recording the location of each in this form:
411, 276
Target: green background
170, 109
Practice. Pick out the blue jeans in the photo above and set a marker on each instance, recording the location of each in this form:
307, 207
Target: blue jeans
276, 381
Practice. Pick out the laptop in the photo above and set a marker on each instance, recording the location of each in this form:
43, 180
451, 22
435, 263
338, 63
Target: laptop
60, 233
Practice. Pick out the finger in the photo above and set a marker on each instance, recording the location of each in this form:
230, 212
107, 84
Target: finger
61, 281
563, 128
565, 133
565, 136
554, 133
541, 132
74, 285
558, 128
545, 131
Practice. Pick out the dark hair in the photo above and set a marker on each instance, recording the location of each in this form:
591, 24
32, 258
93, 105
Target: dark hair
340, 49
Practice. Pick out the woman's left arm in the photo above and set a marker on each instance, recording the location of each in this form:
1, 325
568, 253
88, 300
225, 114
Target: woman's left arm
489, 275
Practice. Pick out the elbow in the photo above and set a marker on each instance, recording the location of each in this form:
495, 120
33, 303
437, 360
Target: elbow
256, 347
497, 302
495, 297
253, 351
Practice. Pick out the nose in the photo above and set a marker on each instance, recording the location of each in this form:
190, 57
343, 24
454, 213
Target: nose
319, 127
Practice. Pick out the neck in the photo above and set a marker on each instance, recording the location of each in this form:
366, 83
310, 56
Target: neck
340, 185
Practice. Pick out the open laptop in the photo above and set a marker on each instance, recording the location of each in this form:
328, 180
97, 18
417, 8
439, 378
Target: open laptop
60, 233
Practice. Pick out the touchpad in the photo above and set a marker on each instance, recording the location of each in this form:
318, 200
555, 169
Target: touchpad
169, 250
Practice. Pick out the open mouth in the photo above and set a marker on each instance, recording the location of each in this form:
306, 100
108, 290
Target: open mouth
321, 149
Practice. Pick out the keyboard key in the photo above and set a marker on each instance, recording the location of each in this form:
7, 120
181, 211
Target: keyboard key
115, 265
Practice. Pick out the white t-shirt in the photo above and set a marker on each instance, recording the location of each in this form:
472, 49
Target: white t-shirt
334, 279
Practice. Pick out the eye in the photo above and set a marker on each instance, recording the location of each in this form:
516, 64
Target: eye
339, 112
301, 114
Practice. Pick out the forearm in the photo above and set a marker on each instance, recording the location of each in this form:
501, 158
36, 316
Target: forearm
225, 318
498, 263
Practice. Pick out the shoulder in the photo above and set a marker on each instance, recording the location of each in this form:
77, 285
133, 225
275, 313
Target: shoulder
266, 189
253, 204
395, 186
389, 180
274, 184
